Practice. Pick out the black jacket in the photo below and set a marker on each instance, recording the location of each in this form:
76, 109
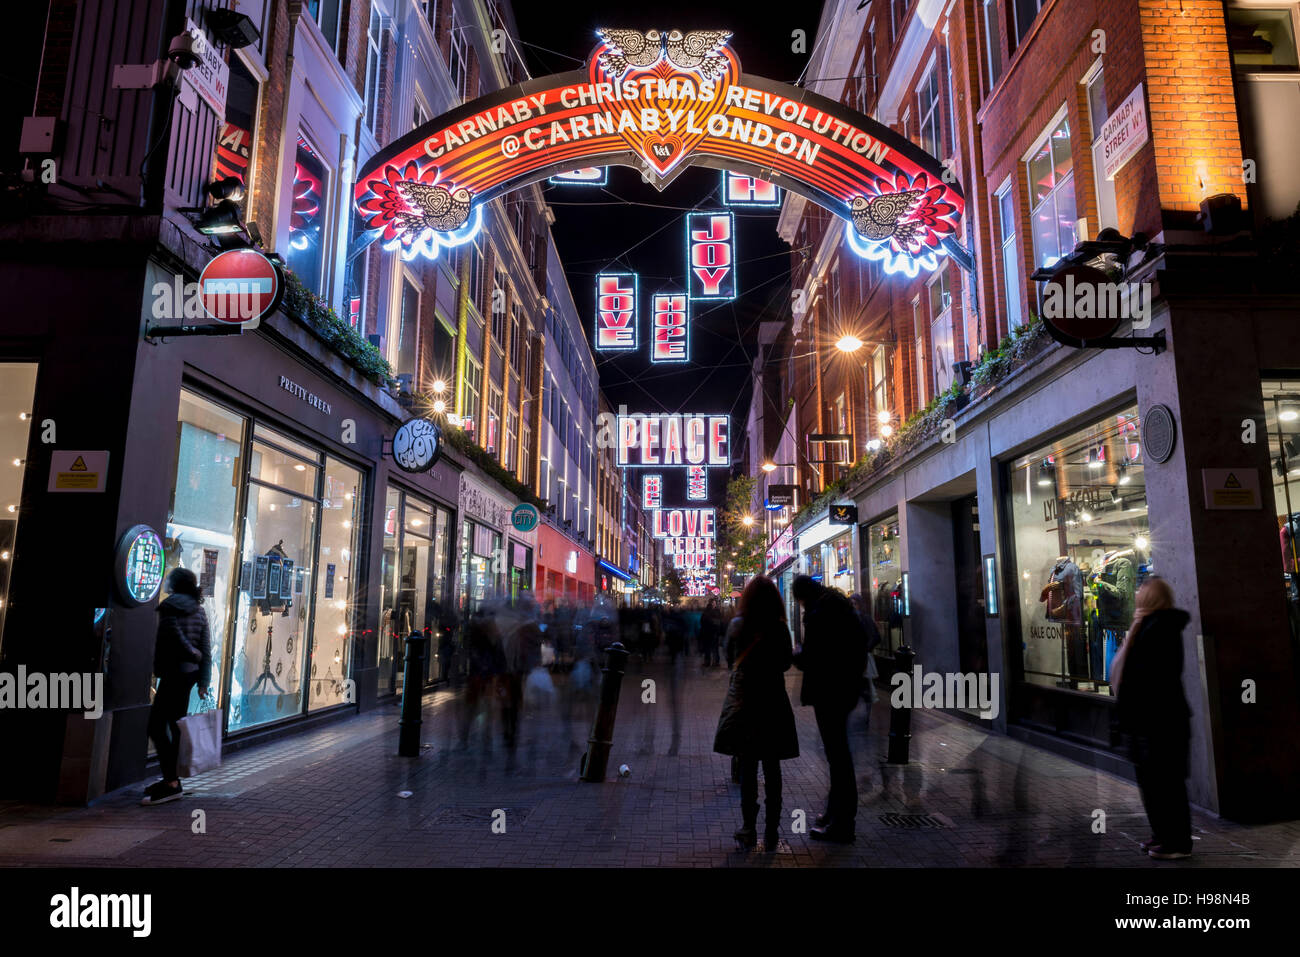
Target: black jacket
756, 719
833, 657
184, 644
1151, 702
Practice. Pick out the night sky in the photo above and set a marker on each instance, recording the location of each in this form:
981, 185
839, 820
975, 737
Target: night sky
597, 228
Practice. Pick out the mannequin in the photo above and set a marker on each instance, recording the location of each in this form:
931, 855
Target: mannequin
1063, 595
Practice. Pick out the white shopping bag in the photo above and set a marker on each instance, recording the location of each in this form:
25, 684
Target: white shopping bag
548, 654
539, 690
200, 745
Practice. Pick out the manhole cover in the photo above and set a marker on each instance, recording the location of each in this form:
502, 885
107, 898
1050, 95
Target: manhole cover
911, 820
477, 816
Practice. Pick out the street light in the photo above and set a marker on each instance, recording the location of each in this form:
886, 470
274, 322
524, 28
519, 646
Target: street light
849, 343
747, 521
769, 466
439, 385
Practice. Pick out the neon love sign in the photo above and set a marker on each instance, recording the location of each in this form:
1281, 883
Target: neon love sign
660, 101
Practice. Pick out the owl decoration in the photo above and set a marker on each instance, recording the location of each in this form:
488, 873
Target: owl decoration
629, 48
878, 218
699, 50
440, 209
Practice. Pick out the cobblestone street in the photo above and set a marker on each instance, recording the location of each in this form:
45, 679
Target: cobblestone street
332, 798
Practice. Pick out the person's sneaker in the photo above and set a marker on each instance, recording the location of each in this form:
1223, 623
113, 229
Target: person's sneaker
164, 794
1146, 845
155, 788
1161, 853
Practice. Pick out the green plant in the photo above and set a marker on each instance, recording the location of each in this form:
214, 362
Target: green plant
302, 303
461, 441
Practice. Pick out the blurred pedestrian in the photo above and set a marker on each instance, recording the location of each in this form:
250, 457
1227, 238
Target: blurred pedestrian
1148, 673
710, 633
833, 659
485, 666
757, 723
869, 693
182, 660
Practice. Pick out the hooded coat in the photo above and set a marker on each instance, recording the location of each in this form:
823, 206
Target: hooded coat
757, 720
184, 644
1152, 707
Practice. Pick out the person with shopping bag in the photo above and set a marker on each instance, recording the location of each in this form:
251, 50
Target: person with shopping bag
182, 660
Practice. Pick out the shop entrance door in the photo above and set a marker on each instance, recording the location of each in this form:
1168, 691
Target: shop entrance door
972, 638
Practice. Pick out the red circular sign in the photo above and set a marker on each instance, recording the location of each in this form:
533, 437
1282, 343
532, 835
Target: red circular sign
240, 285
1080, 304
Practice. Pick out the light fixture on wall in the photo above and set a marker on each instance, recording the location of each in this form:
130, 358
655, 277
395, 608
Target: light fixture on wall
1046, 474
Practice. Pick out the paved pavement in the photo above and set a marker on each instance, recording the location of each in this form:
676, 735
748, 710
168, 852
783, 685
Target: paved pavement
335, 798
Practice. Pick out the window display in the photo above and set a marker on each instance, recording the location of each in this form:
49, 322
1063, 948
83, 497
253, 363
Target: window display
17, 390
886, 582
332, 628
1082, 548
415, 579
1282, 418
838, 564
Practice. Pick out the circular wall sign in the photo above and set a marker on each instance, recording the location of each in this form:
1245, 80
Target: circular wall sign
417, 445
138, 568
525, 517
1078, 306
1158, 433
240, 285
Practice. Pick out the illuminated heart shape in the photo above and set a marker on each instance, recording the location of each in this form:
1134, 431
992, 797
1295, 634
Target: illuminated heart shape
667, 146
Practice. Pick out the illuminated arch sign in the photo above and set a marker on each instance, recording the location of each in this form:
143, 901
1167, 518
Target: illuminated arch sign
660, 101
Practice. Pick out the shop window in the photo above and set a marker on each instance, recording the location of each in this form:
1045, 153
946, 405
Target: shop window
1011, 268
268, 679
402, 347
1282, 417
473, 395
480, 568
374, 48
1051, 195
202, 516
886, 578
1263, 38
1078, 509
941, 332
458, 56
992, 42
237, 136
17, 392
307, 216
337, 597
444, 349
1097, 115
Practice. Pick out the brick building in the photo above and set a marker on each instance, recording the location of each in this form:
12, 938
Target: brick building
1013, 492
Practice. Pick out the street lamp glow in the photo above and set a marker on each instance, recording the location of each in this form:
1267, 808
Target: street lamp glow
747, 521
439, 406
848, 343
886, 430
883, 416
439, 385
769, 467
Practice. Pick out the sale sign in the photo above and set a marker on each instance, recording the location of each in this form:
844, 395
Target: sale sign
697, 483
616, 311
710, 255
668, 327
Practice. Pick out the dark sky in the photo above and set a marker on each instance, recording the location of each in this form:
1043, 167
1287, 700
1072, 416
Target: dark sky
597, 228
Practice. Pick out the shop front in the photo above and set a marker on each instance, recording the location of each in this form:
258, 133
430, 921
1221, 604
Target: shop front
484, 531
566, 571
882, 547
827, 555
779, 565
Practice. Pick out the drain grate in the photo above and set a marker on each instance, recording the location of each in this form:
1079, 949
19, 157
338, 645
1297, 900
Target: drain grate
911, 821
460, 815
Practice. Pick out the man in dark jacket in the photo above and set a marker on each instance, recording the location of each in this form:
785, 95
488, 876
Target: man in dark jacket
182, 659
832, 658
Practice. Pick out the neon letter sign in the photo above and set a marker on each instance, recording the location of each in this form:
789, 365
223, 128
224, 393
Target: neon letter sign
710, 253
668, 324
615, 312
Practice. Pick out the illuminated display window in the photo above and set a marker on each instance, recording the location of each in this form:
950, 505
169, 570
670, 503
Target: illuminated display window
307, 218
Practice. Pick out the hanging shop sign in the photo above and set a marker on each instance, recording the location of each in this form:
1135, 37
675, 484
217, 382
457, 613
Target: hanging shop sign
741, 190
1082, 307
138, 565
524, 518
780, 496
417, 445
697, 483
843, 515
668, 328
659, 101
587, 176
78, 471
652, 491
616, 298
711, 256
240, 286
673, 439
1124, 132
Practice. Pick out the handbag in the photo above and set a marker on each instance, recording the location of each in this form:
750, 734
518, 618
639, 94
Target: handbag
200, 743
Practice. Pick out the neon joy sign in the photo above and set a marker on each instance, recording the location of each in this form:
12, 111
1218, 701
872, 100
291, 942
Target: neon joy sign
711, 256
660, 101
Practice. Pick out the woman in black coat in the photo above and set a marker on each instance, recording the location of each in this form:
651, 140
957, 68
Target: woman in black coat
1153, 711
182, 659
757, 723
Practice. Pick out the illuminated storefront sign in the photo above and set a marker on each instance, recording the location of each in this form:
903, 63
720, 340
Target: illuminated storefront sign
710, 256
782, 550
741, 190
660, 101
587, 176
652, 491
668, 328
417, 445
673, 439
616, 311
697, 483
685, 522
139, 565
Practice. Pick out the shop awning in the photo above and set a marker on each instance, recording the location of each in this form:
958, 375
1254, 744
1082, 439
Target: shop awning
615, 571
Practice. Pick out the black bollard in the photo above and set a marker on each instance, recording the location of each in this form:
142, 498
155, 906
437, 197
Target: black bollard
900, 719
408, 738
596, 758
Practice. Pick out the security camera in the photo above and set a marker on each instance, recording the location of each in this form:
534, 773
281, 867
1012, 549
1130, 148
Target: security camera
181, 51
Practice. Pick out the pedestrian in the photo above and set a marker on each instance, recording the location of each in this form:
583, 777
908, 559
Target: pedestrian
757, 723
1148, 673
182, 660
710, 633
833, 657
869, 694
